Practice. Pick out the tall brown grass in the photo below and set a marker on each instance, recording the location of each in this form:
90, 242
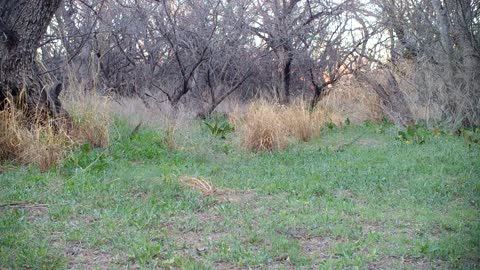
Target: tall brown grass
26, 142
42, 143
353, 100
91, 112
91, 118
267, 126
261, 127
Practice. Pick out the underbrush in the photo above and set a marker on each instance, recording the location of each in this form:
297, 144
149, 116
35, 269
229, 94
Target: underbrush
357, 195
266, 126
43, 143
25, 143
145, 144
92, 118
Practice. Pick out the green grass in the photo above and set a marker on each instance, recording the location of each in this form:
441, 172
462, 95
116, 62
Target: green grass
375, 203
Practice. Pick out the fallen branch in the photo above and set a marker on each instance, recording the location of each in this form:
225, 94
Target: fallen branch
23, 205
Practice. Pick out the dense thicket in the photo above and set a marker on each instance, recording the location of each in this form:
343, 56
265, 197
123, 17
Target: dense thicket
200, 52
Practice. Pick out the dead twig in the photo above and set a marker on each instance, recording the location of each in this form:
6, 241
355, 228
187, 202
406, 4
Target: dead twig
23, 205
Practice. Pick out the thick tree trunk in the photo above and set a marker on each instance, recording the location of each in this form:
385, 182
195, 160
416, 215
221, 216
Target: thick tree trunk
319, 93
393, 100
443, 27
286, 59
22, 24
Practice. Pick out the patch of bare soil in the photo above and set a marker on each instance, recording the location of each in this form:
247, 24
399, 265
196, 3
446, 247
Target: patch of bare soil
226, 265
369, 142
80, 257
84, 258
195, 242
393, 262
316, 248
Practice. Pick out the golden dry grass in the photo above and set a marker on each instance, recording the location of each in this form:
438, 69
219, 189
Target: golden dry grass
264, 126
299, 122
24, 142
43, 144
353, 100
91, 112
261, 127
205, 187
91, 117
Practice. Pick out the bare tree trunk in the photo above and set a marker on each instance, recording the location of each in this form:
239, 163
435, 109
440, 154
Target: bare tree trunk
22, 24
393, 99
319, 93
465, 39
286, 60
443, 27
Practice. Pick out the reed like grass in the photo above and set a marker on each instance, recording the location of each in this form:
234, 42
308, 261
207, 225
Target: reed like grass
27, 141
261, 128
39, 143
264, 126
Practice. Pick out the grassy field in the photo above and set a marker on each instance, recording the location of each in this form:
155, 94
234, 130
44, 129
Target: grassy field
353, 198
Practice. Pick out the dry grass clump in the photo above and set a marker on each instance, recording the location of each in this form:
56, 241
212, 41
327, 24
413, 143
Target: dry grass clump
91, 112
44, 144
265, 126
24, 142
261, 127
91, 117
324, 114
201, 185
299, 122
170, 135
207, 189
352, 99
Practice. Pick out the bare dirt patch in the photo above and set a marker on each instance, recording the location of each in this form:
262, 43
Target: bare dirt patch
316, 248
197, 241
83, 258
393, 262
369, 142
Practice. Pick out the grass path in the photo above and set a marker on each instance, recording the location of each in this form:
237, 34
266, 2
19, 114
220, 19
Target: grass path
375, 204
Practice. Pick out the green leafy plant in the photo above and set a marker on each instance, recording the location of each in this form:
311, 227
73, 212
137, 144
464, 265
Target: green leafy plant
219, 127
331, 125
384, 125
414, 134
471, 136
87, 159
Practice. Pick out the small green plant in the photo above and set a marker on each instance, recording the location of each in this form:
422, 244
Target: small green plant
471, 136
414, 134
384, 125
331, 125
219, 127
87, 159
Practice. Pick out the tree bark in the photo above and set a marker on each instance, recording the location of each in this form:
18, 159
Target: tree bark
318, 94
286, 66
393, 100
22, 24
443, 27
